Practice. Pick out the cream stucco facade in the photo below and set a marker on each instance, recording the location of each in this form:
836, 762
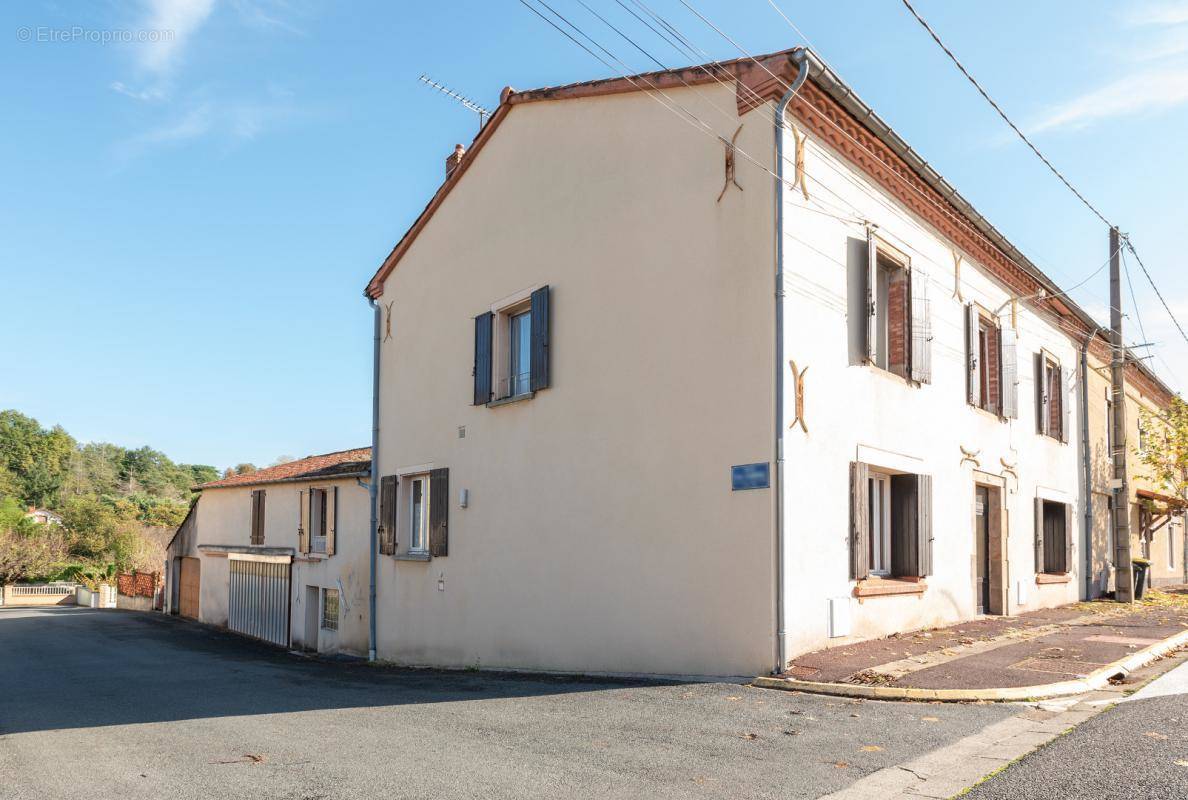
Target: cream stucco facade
601, 533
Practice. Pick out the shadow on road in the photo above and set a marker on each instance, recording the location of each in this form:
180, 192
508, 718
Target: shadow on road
65, 668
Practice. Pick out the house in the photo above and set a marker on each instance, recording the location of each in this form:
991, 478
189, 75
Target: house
693, 371
43, 516
280, 554
1156, 520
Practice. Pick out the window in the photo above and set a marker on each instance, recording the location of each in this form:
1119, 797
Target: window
330, 609
511, 349
317, 521
418, 520
257, 524
991, 371
316, 530
1051, 414
890, 523
879, 488
898, 325
1053, 543
519, 354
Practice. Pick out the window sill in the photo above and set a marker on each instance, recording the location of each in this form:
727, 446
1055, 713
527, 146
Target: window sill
892, 374
1047, 577
885, 587
515, 398
413, 557
994, 415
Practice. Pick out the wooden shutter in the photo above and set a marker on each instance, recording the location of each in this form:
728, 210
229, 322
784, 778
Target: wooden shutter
387, 515
872, 294
1041, 395
257, 534
482, 358
439, 512
331, 530
540, 339
973, 377
303, 503
1039, 535
924, 525
921, 331
859, 520
1009, 378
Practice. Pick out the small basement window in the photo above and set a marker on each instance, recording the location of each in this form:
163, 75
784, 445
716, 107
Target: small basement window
330, 609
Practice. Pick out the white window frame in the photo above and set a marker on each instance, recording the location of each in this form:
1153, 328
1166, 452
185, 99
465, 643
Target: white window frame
501, 340
1052, 364
418, 534
879, 485
325, 623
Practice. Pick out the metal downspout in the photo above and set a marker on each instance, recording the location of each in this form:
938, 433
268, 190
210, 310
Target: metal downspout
1087, 464
800, 58
373, 483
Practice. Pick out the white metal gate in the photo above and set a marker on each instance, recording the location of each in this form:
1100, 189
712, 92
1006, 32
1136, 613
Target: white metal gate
258, 604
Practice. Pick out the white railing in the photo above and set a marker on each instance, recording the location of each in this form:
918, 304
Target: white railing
42, 589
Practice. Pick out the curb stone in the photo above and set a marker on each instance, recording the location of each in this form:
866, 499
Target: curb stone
1097, 679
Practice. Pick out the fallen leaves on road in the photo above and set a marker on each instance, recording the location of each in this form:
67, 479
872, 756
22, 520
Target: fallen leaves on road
930, 719
748, 736
840, 764
871, 748
1155, 735
248, 758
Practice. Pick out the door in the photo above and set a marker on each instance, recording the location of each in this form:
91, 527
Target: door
190, 583
311, 618
982, 547
258, 599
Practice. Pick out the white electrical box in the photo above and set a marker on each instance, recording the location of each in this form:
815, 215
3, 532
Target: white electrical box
839, 617
1021, 592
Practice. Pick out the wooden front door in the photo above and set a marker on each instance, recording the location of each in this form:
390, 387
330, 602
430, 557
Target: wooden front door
190, 583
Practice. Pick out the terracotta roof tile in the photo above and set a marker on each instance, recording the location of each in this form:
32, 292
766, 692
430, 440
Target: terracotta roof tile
344, 462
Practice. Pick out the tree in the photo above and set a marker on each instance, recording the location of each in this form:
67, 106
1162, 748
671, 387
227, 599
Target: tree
28, 550
240, 469
39, 458
1163, 447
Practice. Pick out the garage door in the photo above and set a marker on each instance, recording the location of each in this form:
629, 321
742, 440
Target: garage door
258, 604
189, 585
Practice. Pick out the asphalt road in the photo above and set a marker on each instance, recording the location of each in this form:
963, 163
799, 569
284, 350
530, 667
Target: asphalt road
1137, 750
113, 704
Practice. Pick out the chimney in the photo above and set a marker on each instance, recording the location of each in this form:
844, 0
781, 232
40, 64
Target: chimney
454, 159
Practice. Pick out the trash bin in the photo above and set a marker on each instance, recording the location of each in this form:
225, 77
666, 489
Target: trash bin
1141, 565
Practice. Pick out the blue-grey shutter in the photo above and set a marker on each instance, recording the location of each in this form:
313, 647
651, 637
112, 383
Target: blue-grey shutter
1009, 378
872, 295
331, 531
439, 512
540, 339
924, 524
921, 328
973, 382
1041, 395
483, 324
1039, 535
859, 521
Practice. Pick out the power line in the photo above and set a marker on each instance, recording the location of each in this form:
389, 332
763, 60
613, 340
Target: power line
1002, 113
1133, 252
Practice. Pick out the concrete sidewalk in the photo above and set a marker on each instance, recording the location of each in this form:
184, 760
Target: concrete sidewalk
1043, 653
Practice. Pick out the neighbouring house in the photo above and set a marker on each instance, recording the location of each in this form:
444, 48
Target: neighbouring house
43, 516
1156, 519
667, 385
280, 554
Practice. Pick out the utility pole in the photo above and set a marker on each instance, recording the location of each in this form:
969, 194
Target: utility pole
1123, 571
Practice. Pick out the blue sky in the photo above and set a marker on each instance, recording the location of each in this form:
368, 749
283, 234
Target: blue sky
186, 226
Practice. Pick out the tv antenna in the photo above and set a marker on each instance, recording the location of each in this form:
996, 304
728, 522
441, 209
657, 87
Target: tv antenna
465, 101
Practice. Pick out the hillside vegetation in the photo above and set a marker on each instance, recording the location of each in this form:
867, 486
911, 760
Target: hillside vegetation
110, 499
